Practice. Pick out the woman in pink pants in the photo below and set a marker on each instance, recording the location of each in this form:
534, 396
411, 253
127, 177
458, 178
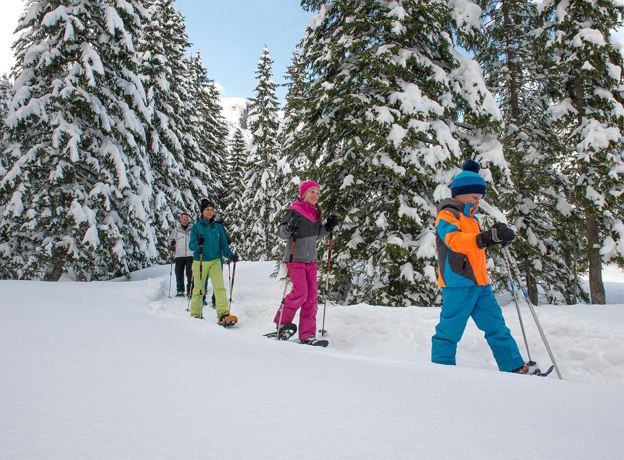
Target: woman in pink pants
302, 223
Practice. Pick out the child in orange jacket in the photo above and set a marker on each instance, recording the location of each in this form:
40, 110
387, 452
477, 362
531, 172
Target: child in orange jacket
466, 290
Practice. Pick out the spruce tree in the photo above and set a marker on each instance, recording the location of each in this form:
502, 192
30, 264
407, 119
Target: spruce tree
77, 185
235, 187
6, 94
587, 89
259, 205
389, 108
514, 63
163, 47
209, 129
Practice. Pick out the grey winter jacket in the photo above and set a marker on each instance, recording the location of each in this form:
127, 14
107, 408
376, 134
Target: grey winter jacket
182, 238
308, 233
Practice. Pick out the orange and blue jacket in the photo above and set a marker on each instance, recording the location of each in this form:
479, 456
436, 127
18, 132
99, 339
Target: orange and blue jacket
461, 262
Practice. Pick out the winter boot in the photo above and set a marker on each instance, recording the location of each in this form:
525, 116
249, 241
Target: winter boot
529, 368
227, 320
314, 342
180, 294
286, 331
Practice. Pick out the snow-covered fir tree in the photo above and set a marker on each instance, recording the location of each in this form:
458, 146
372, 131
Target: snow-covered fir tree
588, 91
77, 186
235, 187
163, 49
210, 131
537, 206
6, 94
388, 109
291, 166
259, 204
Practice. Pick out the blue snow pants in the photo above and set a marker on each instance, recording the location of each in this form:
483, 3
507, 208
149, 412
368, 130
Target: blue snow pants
459, 304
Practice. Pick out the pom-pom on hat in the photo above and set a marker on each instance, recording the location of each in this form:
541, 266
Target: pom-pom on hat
469, 180
307, 185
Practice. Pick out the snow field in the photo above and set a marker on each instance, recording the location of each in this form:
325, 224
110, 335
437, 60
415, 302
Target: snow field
118, 370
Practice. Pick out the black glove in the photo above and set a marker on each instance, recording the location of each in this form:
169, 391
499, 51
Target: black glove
499, 234
293, 223
200, 241
332, 221
172, 244
234, 258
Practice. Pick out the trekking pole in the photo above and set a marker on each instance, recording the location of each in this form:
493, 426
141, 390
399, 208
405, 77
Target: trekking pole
201, 259
329, 251
516, 271
229, 277
170, 275
515, 298
290, 259
200, 277
188, 305
233, 278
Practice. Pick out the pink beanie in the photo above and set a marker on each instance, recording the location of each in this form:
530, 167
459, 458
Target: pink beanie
307, 185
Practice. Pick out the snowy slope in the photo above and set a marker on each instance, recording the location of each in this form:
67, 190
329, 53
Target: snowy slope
232, 110
118, 370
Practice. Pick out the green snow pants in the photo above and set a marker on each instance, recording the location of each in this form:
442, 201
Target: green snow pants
214, 270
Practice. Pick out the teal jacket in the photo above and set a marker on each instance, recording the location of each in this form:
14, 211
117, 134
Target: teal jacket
215, 240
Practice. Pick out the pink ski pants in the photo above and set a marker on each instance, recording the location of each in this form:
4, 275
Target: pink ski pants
303, 294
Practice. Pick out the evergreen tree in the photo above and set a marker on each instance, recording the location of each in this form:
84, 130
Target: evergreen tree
163, 48
387, 109
587, 89
235, 189
291, 166
513, 63
6, 94
259, 205
77, 184
210, 130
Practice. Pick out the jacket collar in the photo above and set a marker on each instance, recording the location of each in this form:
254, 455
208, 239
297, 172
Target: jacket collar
468, 210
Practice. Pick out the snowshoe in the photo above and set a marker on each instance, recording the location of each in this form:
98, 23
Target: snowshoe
227, 320
531, 368
285, 332
545, 373
313, 341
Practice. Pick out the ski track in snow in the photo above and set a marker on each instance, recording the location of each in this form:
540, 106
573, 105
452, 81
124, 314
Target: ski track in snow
585, 339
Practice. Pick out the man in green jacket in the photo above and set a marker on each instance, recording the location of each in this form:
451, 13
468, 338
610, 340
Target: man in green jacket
209, 245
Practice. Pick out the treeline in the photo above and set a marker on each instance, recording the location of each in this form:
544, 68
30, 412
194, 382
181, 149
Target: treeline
111, 130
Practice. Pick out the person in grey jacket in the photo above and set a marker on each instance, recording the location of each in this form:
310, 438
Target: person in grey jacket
183, 256
302, 223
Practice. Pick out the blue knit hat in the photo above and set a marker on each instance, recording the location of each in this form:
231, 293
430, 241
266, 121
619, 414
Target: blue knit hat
469, 180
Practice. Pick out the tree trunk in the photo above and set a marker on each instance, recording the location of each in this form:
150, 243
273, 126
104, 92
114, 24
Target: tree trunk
531, 283
596, 287
57, 265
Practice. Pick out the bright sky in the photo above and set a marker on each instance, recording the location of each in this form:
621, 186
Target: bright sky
11, 10
230, 35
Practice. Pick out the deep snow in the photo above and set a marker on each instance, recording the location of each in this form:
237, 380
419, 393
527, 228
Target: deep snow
118, 370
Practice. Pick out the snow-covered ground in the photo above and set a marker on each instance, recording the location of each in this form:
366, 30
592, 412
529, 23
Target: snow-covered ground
119, 370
